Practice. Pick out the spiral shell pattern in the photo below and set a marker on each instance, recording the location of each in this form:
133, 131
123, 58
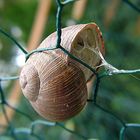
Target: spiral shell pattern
55, 84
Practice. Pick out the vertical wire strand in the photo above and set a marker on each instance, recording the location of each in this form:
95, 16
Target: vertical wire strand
58, 22
5, 113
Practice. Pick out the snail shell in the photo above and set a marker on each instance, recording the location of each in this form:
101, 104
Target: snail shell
54, 83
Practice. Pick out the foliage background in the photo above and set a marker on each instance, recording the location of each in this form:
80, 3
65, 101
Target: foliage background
119, 94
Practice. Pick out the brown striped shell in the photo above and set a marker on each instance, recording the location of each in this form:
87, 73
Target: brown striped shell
54, 83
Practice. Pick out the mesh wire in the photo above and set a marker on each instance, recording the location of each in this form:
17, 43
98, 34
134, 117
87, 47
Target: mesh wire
13, 132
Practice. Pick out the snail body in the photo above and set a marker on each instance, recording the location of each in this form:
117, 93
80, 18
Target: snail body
55, 84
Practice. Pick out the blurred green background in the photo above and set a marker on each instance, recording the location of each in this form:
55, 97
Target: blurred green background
118, 94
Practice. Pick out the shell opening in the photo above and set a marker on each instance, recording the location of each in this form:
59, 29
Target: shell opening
87, 46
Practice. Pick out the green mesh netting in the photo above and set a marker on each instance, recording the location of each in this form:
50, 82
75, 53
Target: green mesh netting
31, 132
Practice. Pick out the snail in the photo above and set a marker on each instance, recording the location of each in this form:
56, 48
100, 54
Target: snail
55, 84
